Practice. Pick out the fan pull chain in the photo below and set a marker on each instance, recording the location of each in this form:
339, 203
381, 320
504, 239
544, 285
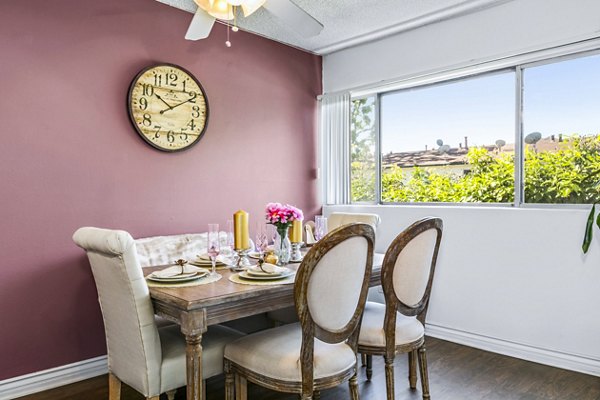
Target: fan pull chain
228, 43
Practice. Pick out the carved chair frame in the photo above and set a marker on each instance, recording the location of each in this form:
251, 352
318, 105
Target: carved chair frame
310, 329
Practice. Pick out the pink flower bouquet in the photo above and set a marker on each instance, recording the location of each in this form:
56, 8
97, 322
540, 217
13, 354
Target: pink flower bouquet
282, 215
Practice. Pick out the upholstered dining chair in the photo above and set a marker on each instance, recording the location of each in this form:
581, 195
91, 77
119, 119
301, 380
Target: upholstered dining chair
398, 326
319, 352
337, 219
148, 358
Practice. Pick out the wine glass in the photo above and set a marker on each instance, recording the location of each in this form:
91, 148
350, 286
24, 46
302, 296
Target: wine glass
262, 241
272, 234
213, 247
320, 227
228, 251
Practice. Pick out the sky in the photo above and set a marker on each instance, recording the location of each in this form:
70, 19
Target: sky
562, 97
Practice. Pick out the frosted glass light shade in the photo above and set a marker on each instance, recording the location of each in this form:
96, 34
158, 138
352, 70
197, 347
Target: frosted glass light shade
249, 6
219, 9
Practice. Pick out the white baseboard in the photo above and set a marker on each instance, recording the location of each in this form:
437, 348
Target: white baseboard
52, 378
542, 356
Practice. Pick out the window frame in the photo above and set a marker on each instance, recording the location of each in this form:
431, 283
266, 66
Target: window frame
516, 64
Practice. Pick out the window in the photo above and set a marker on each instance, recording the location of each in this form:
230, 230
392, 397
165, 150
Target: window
561, 123
450, 142
454, 141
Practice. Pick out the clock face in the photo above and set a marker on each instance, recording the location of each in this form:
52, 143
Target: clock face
168, 107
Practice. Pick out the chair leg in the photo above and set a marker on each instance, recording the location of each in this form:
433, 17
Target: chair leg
114, 387
412, 369
241, 388
171, 394
389, 377
317, 395
363, 359
369, 367
423, 370
353, 383
229, 381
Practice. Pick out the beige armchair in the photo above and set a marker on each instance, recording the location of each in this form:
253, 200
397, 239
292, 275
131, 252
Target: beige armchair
149, 359
399, 325
319, 352
337, 219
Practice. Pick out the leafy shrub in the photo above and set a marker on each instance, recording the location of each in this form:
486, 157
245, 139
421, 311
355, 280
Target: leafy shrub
567, 175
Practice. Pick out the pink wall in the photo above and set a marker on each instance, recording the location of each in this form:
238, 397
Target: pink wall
69, 156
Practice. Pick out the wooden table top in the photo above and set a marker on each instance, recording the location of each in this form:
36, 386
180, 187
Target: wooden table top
225, 291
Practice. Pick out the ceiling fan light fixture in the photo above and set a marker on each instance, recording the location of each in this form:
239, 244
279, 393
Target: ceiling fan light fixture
219, 9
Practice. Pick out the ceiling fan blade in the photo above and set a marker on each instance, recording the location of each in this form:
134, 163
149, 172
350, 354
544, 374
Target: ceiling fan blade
294, 17
201, 25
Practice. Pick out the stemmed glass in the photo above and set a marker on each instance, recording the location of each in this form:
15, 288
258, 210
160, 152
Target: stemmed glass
230, 254
272, 234
213, 247
262, 241
320, 227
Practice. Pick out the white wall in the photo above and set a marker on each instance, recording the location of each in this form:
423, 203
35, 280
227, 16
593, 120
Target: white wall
509, 280
511, 28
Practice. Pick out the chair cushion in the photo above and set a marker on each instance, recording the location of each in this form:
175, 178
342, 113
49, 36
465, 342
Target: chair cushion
275, 353
173, 371
408, 329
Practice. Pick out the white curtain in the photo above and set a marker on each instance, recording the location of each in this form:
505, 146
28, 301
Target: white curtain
335, 148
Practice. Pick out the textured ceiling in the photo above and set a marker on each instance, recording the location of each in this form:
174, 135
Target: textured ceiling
350, 22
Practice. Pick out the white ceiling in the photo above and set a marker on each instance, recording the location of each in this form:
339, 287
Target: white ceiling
351, 22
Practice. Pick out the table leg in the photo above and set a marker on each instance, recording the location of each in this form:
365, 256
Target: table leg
194, 367
193, 324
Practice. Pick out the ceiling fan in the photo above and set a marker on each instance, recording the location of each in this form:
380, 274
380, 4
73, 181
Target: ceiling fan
226, 10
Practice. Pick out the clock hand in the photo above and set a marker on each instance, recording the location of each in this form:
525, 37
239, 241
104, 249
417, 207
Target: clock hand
161, 99
177, 105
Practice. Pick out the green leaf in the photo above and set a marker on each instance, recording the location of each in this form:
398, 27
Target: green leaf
587, 237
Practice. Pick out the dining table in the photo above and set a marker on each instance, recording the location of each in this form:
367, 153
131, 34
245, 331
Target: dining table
196, 308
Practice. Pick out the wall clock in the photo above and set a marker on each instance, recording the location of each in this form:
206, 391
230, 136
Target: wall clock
168, 107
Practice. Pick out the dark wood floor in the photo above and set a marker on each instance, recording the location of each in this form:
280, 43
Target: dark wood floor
455, 373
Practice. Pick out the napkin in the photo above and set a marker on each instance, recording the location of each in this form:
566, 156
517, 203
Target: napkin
268, 268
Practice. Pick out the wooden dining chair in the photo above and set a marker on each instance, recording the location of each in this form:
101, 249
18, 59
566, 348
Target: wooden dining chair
398, 326
150, 359
319, 352
335, 220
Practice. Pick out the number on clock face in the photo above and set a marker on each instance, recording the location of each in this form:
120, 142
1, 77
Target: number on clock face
168, 107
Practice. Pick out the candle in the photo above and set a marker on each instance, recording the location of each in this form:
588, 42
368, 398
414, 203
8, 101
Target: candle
240, 230
296, 231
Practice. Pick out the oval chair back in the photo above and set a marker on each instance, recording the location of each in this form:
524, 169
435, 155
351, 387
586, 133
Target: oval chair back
330, 290
408, 269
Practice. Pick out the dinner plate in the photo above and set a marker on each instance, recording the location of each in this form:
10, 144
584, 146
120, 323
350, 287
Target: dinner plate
199, 262
206, 258
245, 275
178, 279
254, 254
